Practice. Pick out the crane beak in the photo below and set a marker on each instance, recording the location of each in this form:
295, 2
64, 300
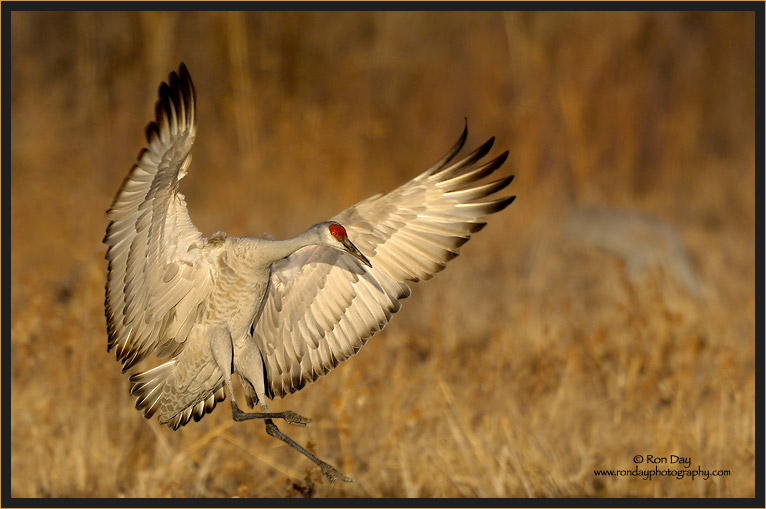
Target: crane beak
351, 249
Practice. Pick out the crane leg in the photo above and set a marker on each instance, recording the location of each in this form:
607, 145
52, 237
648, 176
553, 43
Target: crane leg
221, 346
328, 470
250, 365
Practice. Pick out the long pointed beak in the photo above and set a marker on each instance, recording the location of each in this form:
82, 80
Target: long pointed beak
351, 249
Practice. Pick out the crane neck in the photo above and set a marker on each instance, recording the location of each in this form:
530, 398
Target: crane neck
253, 254
278, 249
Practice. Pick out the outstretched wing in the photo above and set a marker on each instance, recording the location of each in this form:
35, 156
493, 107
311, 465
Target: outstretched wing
157, 274
324, 305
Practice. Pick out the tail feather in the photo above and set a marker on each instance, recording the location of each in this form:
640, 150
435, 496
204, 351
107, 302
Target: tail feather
148, 387
195, 411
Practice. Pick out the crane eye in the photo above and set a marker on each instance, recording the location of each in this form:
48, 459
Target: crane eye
337, 231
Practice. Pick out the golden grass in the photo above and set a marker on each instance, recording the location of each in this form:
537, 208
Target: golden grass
533, 360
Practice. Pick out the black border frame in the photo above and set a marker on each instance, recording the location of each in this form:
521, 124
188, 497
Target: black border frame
7, 8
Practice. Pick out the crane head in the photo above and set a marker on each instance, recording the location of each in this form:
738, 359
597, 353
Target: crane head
334, 235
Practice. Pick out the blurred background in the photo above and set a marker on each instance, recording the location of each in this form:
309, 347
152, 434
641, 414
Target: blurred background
608, 312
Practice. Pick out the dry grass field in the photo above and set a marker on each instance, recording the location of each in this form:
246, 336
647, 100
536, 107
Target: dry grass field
608, 312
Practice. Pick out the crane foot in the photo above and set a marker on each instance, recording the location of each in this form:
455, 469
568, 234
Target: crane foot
288, 416
293, 418
332, 473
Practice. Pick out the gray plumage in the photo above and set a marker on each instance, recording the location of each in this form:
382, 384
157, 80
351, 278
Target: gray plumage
279, 313
644, 242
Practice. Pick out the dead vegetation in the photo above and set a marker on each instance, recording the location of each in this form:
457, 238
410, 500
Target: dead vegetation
533, 360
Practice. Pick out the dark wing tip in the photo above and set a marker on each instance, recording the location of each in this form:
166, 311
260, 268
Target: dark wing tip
490, 207
162, 108
451, 153
184, 78
494, 206
164, 91
186, 87
505, 202
175, 105
464, 136
484, 149
151, 131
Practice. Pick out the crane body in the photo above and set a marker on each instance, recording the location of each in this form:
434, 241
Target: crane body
280, 313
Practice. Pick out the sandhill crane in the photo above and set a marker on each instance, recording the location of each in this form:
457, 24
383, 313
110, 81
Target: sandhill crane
278, 313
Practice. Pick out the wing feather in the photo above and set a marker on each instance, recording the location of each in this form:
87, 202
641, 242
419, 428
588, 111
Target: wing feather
323, 305
157, 275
